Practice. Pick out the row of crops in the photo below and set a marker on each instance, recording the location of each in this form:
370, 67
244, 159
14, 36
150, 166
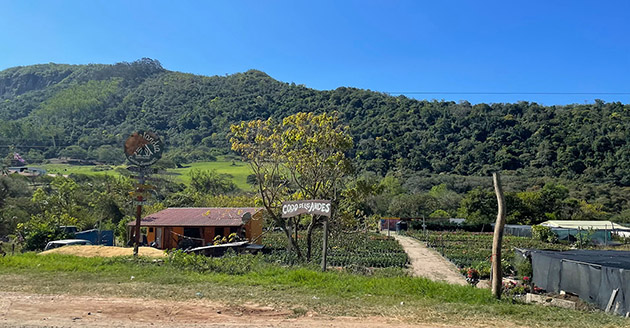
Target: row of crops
344, 250
474, 250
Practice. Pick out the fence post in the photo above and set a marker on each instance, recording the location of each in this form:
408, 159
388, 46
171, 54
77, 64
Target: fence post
424, 228
325, 244
497, 275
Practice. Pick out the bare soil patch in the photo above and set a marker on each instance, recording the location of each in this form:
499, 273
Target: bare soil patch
29, 310
105, 251
428, 263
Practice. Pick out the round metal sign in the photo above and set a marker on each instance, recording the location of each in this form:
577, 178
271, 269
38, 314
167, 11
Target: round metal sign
143, 148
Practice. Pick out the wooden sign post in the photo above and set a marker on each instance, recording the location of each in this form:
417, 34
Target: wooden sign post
313, 207
142, 149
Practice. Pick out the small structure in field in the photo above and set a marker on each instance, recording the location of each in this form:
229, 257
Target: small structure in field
184, 227
600, 232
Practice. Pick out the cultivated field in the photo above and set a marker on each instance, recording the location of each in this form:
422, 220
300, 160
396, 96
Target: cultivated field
471, 249
369, 250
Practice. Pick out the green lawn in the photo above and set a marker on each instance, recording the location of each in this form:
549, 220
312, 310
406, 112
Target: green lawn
236, 169
414, 300
67, 169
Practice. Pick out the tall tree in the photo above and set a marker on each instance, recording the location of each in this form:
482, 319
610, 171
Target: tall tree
314, 149
259, 143
301, 158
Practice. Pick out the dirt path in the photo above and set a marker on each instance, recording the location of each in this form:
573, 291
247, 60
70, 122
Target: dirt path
28, 310
427, 263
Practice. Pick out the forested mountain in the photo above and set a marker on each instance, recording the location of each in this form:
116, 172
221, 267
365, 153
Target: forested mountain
88, 110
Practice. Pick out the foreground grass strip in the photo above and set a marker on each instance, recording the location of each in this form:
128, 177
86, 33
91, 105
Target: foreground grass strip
332, 293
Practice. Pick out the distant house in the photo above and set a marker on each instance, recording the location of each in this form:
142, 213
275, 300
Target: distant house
198, 226
27, 171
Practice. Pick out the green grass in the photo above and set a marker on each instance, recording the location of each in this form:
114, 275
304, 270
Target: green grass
415, 300
67, 169
8, 248
239, 171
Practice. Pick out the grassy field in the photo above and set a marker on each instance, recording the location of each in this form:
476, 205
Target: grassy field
236, 169
67, 169
414, 300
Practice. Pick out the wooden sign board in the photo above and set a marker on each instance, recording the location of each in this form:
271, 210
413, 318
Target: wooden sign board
143, 148
315, 207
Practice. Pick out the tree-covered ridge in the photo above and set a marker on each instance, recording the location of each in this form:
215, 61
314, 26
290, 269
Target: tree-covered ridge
44, 109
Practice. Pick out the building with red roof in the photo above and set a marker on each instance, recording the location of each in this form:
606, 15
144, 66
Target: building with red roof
198, 226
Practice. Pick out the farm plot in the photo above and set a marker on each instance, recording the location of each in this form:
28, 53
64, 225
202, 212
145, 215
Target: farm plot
474, 250
349, 249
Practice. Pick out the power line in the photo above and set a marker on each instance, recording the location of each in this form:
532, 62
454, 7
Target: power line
501, 93
31, 146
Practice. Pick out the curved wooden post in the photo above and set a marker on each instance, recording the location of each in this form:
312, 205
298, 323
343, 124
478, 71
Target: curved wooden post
497, 275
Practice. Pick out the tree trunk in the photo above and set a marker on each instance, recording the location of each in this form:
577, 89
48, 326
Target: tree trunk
309, 239
497, 275
292, 245
296, 243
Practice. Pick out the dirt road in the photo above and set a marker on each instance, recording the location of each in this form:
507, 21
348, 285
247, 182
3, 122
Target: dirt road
427, 263
28, 310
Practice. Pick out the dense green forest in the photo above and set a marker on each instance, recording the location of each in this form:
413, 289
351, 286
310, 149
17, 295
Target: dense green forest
568, 161
86, 110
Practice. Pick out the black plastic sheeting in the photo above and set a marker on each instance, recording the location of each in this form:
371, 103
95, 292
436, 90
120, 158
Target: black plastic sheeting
592, 275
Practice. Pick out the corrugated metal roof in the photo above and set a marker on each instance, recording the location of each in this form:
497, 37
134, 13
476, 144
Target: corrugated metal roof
198, 217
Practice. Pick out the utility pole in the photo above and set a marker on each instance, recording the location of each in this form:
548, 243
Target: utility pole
497, 275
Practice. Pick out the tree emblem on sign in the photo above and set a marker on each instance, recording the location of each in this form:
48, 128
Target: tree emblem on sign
143, 148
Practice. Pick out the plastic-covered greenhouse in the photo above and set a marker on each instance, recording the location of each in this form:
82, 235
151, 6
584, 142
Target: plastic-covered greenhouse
599, 277
600, 232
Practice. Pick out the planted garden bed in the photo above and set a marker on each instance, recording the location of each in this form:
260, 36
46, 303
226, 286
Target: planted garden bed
349, 249
474, 250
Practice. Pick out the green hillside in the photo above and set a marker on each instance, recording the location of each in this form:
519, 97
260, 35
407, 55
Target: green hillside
86, 111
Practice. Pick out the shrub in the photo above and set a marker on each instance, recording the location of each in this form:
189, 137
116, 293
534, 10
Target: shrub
230, 263
523, 266
39, 234
544, 234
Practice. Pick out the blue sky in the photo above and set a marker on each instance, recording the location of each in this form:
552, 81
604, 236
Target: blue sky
390, 46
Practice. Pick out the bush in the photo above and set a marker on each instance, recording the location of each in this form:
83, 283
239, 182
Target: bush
74, 152
446, 225
230, 263
121, 230
544, 234
523, 266
39, 234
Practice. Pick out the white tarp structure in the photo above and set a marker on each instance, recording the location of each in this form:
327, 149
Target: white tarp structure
587, 225
574, 224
